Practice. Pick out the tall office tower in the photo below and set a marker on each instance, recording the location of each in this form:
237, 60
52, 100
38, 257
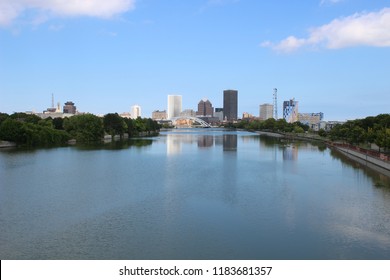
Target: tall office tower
174, 106
290, 111
205, 108
230, 105
275, 115
69, 108
266, 111
135, 111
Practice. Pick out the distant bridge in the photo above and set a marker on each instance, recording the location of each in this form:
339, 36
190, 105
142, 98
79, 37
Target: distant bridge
202, 123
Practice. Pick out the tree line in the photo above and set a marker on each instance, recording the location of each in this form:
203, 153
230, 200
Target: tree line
370, 130
271, 125
367, 131
31, 130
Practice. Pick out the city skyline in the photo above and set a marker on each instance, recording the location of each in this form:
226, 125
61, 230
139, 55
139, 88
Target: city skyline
230, 105
174, 106
330, 55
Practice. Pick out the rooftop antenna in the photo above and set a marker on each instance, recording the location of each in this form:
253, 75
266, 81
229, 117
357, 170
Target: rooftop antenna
275, 103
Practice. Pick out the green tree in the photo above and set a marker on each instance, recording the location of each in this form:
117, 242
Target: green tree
281, 125
130, 127
305, 127
46, 122
58, 123
140, 125
26, 118
12, 130
86, 128
114, 124
269, 124
31, 134
383, 138
254, 125
356, 135
370, 135
3, 117
322, 132
152, 125
298, 129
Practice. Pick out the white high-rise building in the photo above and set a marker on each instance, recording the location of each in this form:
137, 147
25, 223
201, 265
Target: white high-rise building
266, 111
174, 106
135, 111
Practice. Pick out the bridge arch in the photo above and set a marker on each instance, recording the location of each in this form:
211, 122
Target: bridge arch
202, 123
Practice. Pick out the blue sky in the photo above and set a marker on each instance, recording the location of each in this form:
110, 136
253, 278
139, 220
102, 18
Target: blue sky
333, 56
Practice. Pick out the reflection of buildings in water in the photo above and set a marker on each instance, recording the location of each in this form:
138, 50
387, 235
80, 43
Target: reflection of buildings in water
173, 145
290, 153
205, 141
218, 140
175, 142
230, 142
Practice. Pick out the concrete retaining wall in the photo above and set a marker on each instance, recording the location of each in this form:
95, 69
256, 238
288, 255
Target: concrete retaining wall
365, 157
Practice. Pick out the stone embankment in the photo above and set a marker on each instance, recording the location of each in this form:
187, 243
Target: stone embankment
292, 136
368, 157
373, 157
6, 144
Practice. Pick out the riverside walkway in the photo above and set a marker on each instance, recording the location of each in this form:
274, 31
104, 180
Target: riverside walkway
366, 156
374, 157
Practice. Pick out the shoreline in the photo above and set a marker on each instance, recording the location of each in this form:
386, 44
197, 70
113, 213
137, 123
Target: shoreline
270, 134
363, 158
7, 144
356, 155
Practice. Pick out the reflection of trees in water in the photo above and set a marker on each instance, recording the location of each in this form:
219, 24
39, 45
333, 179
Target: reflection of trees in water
116, 145
140, 142
290, 148
290, 153
379, 176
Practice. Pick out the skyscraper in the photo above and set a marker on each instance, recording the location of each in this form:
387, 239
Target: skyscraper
230, 105
174, 106
266, 111
135, 111
205, 108
290, 111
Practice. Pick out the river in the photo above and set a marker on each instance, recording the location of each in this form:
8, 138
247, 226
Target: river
192, 194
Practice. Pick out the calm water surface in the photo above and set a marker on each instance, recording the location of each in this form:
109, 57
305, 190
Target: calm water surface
192, 194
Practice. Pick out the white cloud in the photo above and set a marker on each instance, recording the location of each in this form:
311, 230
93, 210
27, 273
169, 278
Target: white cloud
361, 29
10, 10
